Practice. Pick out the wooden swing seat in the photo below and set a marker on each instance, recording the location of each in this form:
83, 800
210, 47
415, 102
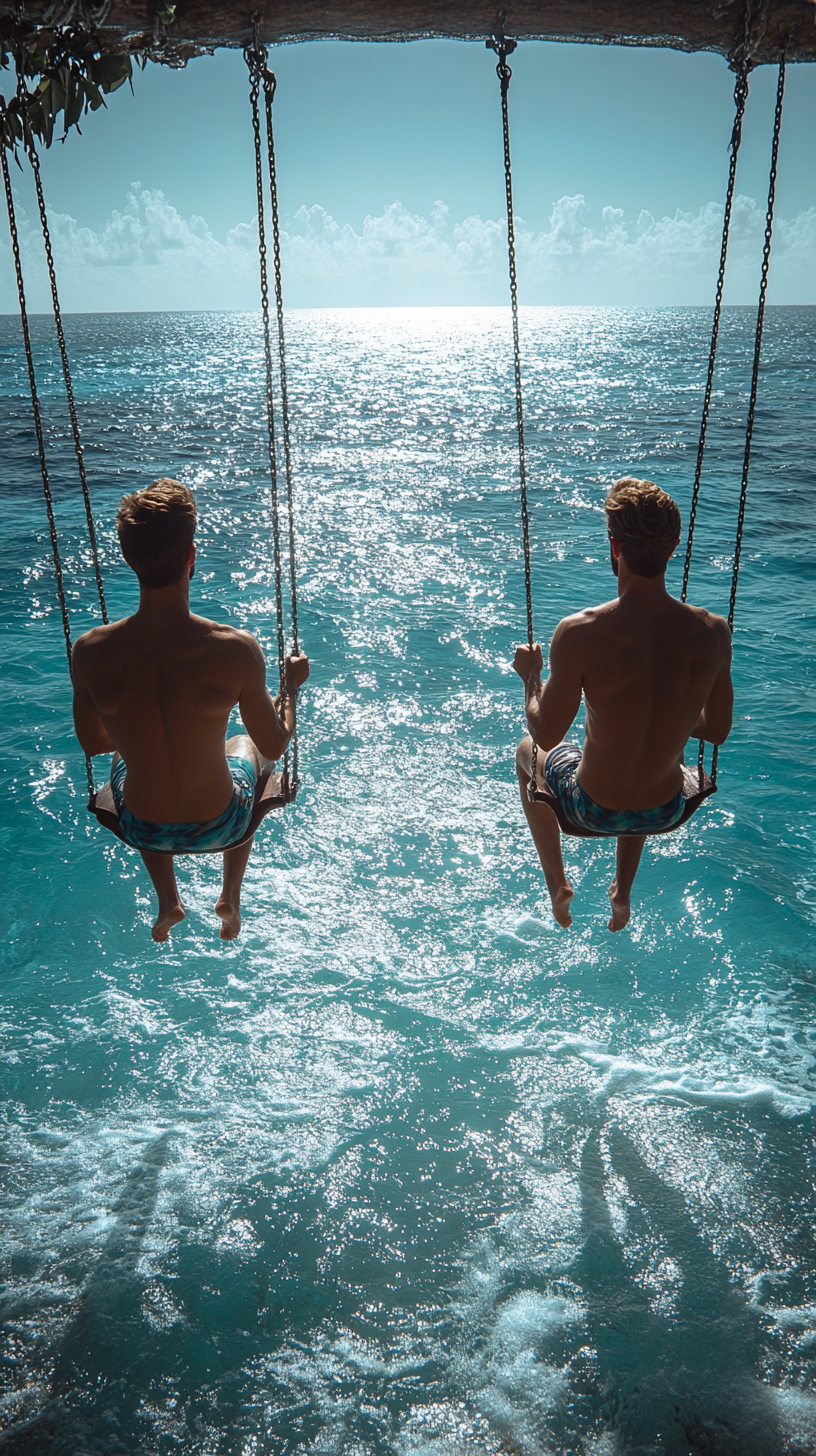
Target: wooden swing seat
697, 786
272, 791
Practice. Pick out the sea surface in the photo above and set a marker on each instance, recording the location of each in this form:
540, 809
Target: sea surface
407, 1170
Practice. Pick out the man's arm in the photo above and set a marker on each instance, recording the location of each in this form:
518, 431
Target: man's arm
270, 722
90, 730
714, 722
551, 706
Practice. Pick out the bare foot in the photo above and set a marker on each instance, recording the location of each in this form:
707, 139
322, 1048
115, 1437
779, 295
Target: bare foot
230, 918
166, 920
620, 908
560, 900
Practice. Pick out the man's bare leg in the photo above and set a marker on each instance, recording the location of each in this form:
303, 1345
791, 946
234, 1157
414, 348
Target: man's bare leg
162, 872
629, 850
228, 908
546, 837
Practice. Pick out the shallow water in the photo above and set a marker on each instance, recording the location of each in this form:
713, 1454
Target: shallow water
407, 1169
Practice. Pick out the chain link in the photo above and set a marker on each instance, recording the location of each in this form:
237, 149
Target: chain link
38, 429
270, 85
760, 320
31, 152
740, 98
504, 46
259, 75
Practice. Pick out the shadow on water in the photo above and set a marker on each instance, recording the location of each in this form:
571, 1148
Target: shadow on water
108, 1326
257, 1346
296, 1327
682, 1383
107, 1333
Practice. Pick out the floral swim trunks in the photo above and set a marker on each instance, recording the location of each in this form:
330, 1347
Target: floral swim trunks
213, 834
561, 772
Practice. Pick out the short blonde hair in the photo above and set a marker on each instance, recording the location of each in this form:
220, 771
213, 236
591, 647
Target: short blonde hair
156, 528
646, 523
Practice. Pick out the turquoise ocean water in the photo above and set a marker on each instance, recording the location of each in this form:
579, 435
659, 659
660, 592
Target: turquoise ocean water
407, 1169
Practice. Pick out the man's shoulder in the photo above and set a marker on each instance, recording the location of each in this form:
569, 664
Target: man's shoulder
574, 640
710, 623
98, 638
578, 623
222, 635
709, 619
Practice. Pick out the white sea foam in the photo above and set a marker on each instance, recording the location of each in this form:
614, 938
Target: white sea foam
647, 1081
516, 1377
530, 1319
796, 1410
525, 930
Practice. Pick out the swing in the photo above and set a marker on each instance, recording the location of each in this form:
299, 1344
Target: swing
697, 784
273, 789
271, 792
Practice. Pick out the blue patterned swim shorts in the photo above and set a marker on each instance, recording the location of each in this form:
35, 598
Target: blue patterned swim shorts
213, 834
561, 772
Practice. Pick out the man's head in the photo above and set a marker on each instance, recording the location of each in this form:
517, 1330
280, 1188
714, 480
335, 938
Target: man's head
156, 529
645, 522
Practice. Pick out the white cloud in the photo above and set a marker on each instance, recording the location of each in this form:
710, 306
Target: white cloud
399, 257
669, 259
145, 257
149, 256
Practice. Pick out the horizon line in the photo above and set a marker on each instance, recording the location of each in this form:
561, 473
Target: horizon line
393, 307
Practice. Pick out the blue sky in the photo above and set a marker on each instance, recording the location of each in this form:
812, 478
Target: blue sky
391, 184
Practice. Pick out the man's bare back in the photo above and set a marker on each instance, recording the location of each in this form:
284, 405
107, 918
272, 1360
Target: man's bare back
163, 685
653, 673
158, 688
647, 669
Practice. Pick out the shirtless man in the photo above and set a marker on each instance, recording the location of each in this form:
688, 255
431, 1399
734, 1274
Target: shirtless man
654, 673
158, 688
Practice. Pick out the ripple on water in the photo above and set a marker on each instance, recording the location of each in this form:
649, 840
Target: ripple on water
406, 1169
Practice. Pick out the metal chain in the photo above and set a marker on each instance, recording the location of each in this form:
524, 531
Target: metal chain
504, 46
254, 93
740, 98
269, 85
760, 320
255, 58
38, 429
31, 152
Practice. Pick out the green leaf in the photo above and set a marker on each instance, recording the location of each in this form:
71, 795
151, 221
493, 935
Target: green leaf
42, 122
120, 80
110, 72
67, 77
93, 98
73, 105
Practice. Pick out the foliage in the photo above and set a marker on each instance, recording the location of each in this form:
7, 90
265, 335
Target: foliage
70, 76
